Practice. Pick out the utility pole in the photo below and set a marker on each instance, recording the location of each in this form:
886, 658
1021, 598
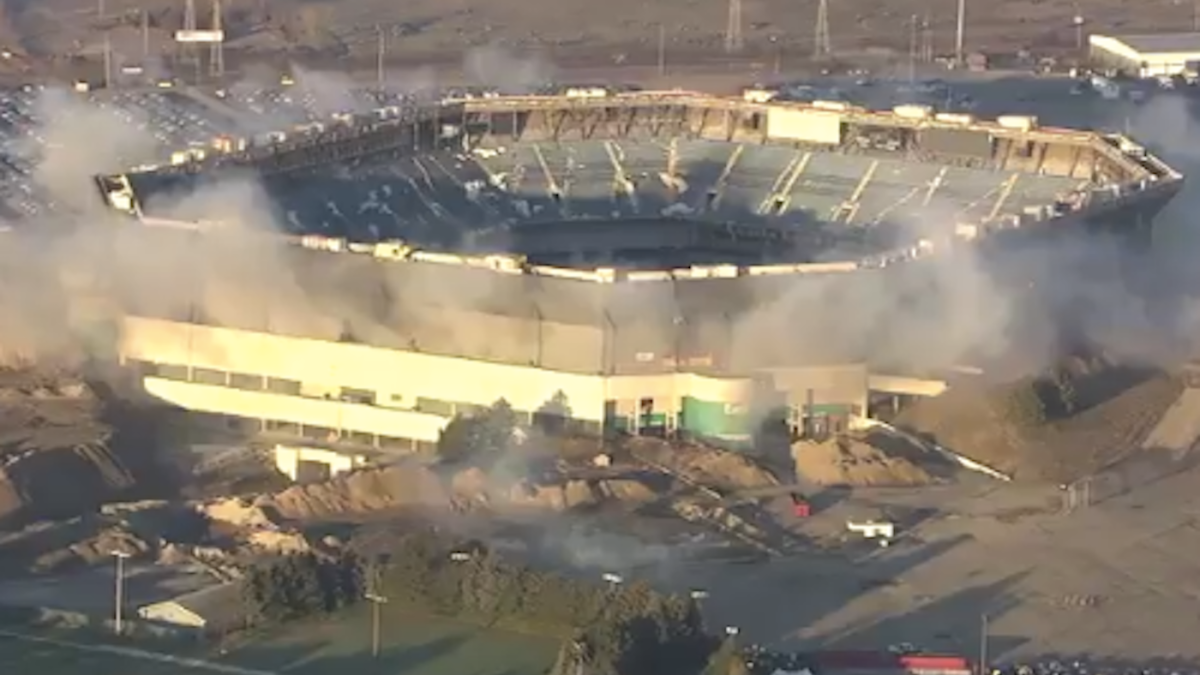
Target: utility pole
912, 49
107, 61
663, 49
118, 609
959, 35
927, 40
821, 43
189, 24
983, 644
145, 37
377, 601
216, 58
380, 48
733, 28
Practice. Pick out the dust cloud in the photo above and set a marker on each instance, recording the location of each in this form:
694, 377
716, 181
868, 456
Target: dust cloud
64, 276
969, 306
495, 67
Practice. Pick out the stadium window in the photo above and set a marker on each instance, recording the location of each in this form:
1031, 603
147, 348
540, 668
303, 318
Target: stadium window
209, 376
168, 371
435, 407
353, 395
394, 443
320, 433
277, 385
141, 368
242, 425
245, 381
359, 438
468, 409
284, 428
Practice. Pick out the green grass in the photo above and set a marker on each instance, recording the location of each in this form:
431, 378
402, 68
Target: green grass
19, 656
412, 644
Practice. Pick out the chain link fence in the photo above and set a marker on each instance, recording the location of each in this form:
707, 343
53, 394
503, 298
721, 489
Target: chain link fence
1144, 469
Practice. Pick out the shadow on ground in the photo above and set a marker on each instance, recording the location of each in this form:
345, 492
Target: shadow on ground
952, 624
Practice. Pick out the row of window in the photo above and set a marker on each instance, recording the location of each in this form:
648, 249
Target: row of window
285, 387
251, 426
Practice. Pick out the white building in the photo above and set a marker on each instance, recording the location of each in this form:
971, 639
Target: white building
1146, 56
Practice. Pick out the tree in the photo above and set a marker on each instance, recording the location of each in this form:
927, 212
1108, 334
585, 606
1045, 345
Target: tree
488, 432
552, 417
498, 423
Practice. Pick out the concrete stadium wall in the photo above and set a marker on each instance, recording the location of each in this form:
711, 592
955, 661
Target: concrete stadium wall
828, 385
910, 386
395, 379
331, 391
338, 417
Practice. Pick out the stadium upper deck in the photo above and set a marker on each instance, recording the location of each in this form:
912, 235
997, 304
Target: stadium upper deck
632, 176
739, 182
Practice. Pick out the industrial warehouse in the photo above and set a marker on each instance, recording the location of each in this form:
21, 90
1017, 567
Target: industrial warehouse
680, 243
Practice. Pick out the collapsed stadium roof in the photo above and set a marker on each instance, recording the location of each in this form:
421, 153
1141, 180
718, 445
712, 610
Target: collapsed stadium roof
729, 200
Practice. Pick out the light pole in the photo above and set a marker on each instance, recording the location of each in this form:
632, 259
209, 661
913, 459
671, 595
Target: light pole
662, 50
377, 601
380, 49
959, 34
699, 595
118, 610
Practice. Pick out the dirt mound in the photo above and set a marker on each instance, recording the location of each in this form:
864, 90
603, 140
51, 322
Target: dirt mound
626, 491
572, 494
237, 512
1046, 430
471, 486
719, 469
396, 486
851, 461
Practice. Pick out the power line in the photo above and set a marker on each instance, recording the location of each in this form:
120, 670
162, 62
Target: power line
821, 43
733, 27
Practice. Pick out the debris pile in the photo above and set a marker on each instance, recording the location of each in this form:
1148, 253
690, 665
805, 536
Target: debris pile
1106, 418
719, 469
850, 461
391, 487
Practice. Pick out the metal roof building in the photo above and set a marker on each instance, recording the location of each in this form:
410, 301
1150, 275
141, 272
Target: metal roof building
1164, 54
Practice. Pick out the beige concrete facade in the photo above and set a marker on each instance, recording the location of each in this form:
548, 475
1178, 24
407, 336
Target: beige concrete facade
334, 391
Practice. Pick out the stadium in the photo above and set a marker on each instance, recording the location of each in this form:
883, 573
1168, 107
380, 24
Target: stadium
643, 262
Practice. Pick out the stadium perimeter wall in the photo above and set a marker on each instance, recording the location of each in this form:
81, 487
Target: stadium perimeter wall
390, 398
